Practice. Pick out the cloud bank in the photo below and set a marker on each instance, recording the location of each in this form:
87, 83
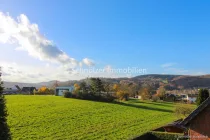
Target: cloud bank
29, 38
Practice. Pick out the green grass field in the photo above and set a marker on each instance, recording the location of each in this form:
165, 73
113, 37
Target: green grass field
51, 117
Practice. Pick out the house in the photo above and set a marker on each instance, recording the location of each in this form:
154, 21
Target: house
195, 126
170, 98
198, 122
190, 98
59, 90
12, 90
139, 96
28, 90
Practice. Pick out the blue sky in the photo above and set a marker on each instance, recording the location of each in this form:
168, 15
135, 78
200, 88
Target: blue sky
170, 37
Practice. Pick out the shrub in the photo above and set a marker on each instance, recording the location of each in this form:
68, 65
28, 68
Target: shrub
44, 91
67, 94
155, 98
168, 136
161, 136
93, 96
183, 110
122, 95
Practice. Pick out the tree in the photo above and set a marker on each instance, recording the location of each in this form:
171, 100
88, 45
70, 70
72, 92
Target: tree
83, 87
76, 88
145, 93
96, 85
107, 87
115, 87
130, 87
133, 89
122, 95
202, 96
44, 91
4, 130
183, 110
161, 92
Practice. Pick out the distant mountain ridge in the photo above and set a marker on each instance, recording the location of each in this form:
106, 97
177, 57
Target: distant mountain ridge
170, 81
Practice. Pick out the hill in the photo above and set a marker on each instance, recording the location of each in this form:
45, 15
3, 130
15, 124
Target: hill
52, 117
171, 82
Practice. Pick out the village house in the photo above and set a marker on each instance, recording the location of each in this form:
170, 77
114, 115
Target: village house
190, 98
28, 90
12, 90
59, 90
198, 122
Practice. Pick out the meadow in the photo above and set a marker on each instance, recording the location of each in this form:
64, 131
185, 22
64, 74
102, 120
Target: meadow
52, 117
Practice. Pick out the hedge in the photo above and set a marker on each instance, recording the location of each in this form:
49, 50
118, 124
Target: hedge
161, 136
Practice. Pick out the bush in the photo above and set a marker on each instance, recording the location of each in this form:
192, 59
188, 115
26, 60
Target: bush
168, 136
161, 136
183, 110
122, 95
155, 98
67, 94
94, 96
47, 91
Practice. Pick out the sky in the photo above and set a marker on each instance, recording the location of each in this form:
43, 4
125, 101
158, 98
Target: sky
43, 40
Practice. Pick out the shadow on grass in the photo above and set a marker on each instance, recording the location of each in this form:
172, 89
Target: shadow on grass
143, 107
129, 104
4, 129
165, 104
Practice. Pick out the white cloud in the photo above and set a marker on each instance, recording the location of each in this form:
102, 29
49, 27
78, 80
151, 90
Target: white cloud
88, 62
166, 65
171, 69
177, 70
29, 38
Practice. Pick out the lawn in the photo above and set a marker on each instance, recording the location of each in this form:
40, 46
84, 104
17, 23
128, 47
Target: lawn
51, 117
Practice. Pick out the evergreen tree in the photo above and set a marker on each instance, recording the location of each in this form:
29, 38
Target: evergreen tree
4, 130
96, 85
83, 87
202, 96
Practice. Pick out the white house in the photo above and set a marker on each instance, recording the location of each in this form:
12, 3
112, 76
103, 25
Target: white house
59, 90
189, 97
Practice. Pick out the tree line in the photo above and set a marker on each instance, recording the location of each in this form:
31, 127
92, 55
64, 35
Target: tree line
96, 89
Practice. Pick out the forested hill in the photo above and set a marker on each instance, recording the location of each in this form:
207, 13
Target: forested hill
171, 82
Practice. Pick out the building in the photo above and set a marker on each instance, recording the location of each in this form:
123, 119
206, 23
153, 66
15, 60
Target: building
198, 122
59, 90
170, 98
173, 127
12, 90
195, 126
190, 98
27, 90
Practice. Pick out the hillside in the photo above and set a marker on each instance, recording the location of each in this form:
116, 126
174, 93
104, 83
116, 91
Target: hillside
52, 117
171, 82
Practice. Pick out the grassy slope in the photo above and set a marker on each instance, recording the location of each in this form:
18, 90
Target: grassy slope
50, 117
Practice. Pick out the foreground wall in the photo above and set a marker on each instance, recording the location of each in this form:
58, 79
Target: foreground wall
200, 126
